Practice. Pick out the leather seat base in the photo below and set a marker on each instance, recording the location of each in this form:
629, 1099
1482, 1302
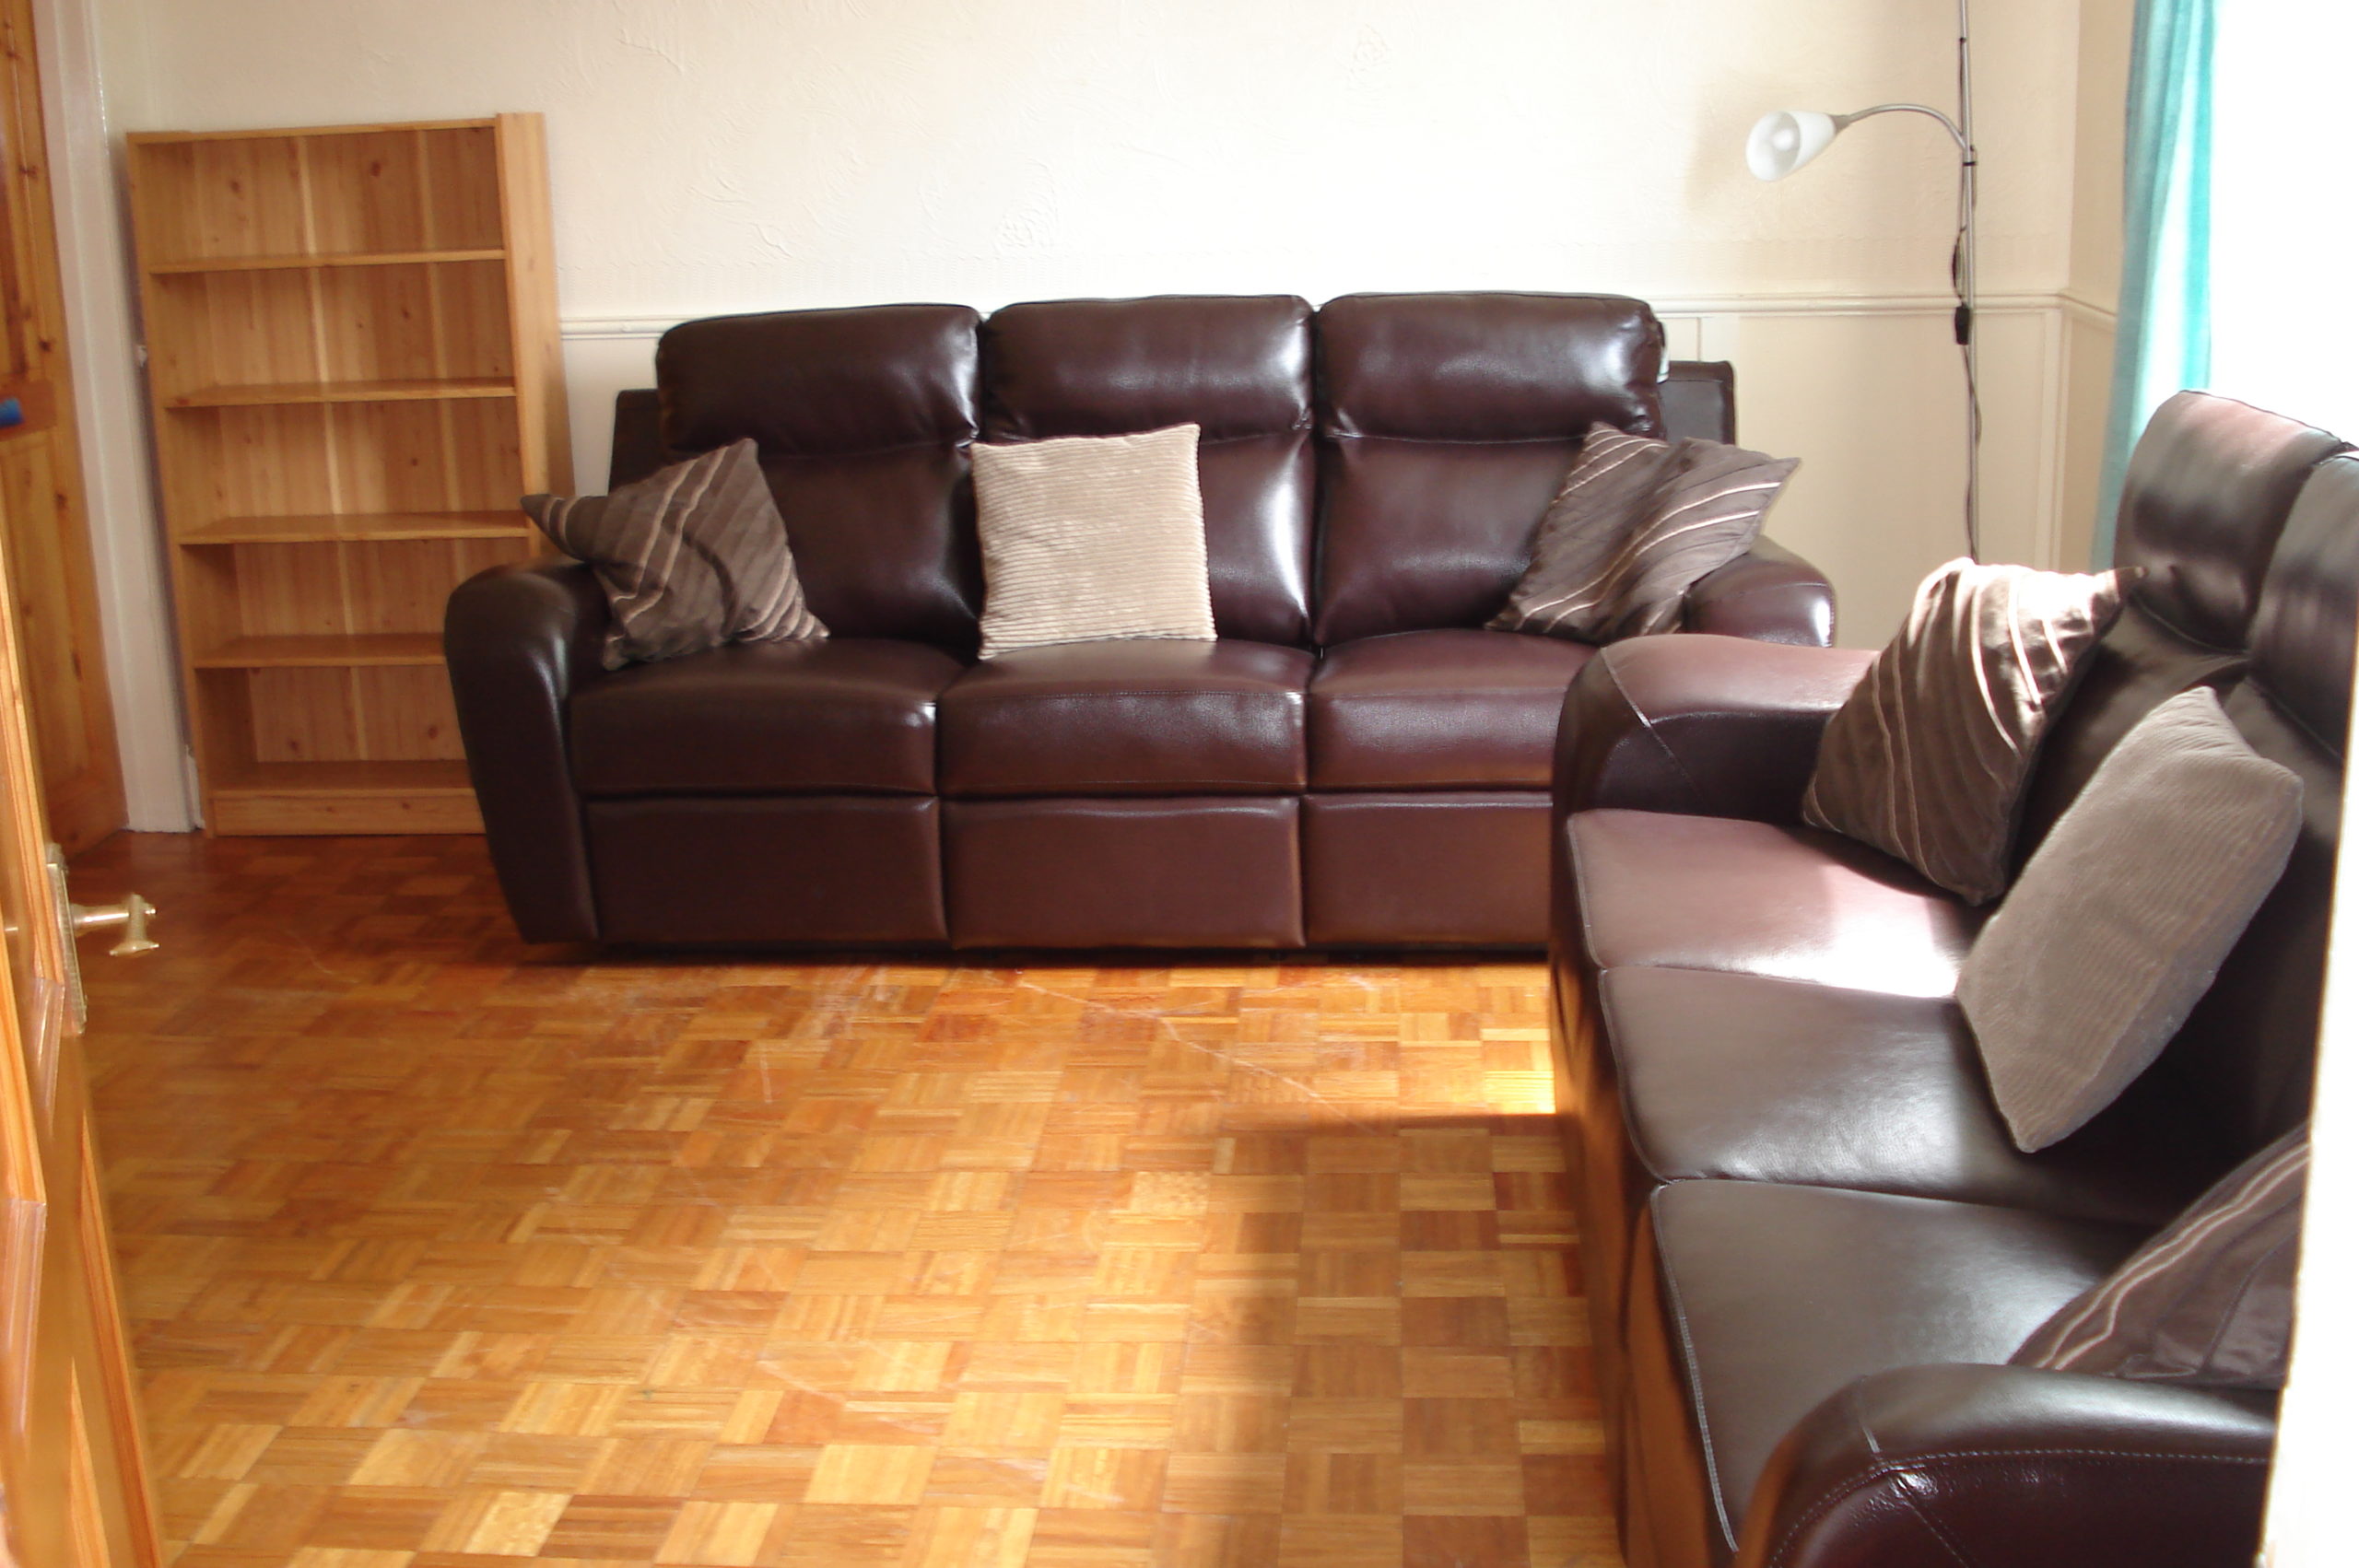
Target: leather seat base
1456, 709
1206, 871
1136, 717
1745, 1078
1435, 868
831, 869
846, 715
1793, 903
1753, 1301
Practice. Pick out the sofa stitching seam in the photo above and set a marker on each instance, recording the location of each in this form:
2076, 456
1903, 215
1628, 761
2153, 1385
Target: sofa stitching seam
1908, 1490
1654, 733
1694, 1375
1887, 1469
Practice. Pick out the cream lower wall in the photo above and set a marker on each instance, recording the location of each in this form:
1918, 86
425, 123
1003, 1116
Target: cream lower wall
715, 154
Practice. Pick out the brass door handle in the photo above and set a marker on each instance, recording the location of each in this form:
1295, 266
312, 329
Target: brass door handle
131, 914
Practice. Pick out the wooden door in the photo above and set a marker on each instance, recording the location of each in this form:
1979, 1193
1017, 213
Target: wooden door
41, 476
73, 1485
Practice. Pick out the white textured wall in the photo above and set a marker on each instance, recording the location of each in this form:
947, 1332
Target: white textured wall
725, 155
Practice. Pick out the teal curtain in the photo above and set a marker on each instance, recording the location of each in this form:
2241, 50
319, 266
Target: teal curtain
2164, 331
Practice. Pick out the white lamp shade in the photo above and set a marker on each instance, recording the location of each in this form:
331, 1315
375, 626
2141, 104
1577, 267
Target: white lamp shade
1785, 139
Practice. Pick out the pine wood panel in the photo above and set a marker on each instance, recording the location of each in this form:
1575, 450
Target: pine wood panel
441, 1251
355, 368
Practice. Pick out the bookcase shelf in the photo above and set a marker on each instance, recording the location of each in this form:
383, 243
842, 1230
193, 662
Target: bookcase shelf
337, 392
353, 361
298, 261
348, 528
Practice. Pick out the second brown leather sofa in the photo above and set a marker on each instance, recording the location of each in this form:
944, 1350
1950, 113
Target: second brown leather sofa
1355, 762
1808, 1241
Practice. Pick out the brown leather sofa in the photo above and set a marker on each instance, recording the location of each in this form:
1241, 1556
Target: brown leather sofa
1809, 1243
1354, 761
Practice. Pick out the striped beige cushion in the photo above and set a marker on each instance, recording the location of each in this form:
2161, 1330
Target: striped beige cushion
690, 557
1637, 524
1927, 759
1089, 537
2119, 922
2210, 1300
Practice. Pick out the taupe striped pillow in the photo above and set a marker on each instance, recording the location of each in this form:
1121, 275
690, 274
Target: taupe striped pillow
690, 557
2107, 940
1637, 524
1089, 537
1927, 759
2208, 1301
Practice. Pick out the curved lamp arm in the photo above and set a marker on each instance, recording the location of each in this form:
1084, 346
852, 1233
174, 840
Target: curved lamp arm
1964, 147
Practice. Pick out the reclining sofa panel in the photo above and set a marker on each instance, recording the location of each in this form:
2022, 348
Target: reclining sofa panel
832, 870
1428, 868
2204, 503
1208, 871
1699, 399
1145, 716
521, 640
2246, 1059
1236, 366
1447, 421
637, 447
862, 417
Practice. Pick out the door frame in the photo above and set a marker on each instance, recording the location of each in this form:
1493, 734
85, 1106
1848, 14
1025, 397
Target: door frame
127, 538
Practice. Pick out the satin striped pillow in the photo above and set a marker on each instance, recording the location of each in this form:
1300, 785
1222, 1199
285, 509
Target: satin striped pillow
2208, 1300
691, 558
1637, 523
1927, 759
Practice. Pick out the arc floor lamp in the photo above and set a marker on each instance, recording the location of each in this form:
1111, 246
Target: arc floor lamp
1785, 139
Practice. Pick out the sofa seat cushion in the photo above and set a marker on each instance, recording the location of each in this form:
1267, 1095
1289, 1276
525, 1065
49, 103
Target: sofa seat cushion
1743, 1077
1752, 897
1777, 1296
1128, 718
850, 715
1452, 709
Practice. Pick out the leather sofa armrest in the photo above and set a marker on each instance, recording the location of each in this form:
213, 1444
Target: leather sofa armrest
520, 641
1768, 593
1702, 725
1933, 1466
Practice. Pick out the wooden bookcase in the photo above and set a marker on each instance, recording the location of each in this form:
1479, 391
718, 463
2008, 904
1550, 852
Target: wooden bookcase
353, 358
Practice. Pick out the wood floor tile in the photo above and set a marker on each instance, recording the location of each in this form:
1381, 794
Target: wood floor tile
441, 1251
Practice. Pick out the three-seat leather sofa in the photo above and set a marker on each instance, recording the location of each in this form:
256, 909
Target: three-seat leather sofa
1810, 1244
1354, 762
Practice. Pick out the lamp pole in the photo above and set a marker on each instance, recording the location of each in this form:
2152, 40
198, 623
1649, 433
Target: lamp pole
1785, 139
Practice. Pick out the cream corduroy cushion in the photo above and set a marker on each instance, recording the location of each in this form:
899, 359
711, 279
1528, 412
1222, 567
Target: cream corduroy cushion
2121, 921
1090, 537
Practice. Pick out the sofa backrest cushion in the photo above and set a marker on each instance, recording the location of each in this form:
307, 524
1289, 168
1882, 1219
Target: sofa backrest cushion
2206, 498
1447, 421
2244, 1060
1236, 366
2207, 491
862, 418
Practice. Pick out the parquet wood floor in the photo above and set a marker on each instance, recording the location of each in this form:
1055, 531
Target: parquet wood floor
445, 1252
